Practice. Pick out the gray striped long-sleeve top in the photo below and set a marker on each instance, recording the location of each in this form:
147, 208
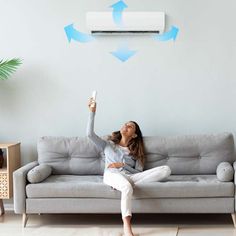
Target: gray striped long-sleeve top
113, 152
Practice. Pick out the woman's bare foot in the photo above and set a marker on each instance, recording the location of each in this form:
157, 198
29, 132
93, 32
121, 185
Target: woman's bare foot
127, 226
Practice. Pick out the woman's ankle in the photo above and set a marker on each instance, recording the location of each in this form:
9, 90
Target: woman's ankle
126, 218
127, 225
127, 229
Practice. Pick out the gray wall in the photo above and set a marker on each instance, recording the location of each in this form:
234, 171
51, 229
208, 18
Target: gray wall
169, 88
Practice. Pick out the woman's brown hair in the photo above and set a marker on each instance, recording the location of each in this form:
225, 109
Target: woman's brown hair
135, 145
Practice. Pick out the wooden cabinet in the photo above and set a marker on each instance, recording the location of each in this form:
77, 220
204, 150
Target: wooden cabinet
11, 153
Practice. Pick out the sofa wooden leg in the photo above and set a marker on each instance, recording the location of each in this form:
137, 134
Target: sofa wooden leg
234, 219
24, 219
177, 231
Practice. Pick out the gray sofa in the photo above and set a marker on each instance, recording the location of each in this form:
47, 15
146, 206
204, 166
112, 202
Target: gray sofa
196, 184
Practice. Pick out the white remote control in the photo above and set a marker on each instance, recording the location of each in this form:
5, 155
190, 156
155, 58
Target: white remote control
94, 95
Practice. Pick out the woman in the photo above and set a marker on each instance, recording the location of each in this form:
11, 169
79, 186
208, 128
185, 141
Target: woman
124, 161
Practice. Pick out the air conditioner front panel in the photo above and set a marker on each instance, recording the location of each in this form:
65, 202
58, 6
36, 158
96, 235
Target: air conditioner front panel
131, 22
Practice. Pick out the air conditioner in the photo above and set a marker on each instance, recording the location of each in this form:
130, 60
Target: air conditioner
132, 22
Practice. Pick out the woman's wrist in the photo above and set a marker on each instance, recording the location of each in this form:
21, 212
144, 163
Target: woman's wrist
116, 165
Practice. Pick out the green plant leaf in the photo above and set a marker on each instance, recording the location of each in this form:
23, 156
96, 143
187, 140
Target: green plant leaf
8, 67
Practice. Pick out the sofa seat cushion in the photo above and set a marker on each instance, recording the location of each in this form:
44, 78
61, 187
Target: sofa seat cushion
92, 186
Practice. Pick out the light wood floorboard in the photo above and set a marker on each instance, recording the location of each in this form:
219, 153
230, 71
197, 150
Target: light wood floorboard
111, 225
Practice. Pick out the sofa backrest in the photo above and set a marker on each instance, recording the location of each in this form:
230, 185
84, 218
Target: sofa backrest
72, 155
185, 154
190, 154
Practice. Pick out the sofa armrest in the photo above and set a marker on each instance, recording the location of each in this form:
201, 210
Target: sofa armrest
234, 166
19, 184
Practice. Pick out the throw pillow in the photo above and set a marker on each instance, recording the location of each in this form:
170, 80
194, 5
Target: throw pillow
39, 173
225, 172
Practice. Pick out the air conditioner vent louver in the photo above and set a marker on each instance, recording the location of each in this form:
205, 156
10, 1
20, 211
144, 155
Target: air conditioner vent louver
132, 23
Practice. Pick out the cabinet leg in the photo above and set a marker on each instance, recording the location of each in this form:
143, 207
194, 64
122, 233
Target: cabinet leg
234, 219
2, 211
24, 219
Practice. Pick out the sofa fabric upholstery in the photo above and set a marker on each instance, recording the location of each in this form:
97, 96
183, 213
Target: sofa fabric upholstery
39, 173
76, 182
225, 172
74, 155
176, 186
152, 205
190, 154
186, 154
19, 184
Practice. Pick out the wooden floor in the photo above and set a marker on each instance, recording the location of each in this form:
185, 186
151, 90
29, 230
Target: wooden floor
111, 225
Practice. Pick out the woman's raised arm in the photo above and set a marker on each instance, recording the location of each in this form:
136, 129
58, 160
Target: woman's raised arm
99, 142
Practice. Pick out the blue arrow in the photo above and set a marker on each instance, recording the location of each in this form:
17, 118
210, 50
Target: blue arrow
123, 53
72, 33
172, 34
117, 12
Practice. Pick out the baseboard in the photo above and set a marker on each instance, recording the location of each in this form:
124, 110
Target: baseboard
8, 205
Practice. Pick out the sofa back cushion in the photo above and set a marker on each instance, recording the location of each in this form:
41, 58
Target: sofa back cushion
185, 154
72, 155
190, 154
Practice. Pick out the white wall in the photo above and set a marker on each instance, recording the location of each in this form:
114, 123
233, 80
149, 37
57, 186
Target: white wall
169, 88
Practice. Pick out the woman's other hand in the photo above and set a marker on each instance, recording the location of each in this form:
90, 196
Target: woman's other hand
116, 165
92, 105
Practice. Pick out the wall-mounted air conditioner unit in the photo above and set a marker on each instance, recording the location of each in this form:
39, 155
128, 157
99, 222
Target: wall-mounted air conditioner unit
132, 22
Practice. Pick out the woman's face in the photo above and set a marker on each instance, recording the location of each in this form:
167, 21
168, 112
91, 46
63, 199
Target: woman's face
128, 129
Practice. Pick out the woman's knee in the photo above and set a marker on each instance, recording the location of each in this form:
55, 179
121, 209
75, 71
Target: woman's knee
127, 189
167, 170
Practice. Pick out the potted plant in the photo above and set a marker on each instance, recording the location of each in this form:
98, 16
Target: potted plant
7, 67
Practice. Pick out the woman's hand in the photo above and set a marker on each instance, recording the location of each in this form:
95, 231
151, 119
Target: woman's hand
92, 105
116, 165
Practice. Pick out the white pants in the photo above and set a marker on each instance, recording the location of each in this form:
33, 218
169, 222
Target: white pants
125, 183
